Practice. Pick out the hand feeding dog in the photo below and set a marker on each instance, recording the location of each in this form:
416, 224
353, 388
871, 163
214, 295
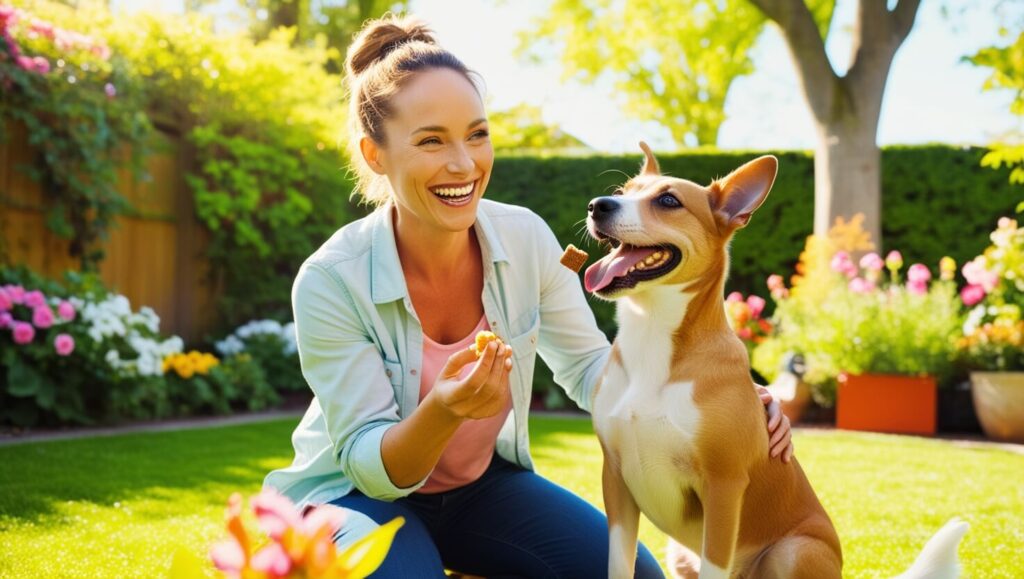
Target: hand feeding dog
680, 424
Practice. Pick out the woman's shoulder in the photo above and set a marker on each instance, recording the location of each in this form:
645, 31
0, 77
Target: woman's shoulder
351, 241
503, 214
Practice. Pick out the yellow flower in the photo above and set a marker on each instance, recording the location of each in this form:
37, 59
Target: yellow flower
184, 367
947, 268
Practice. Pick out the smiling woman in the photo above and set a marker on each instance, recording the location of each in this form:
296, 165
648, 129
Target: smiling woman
409, 420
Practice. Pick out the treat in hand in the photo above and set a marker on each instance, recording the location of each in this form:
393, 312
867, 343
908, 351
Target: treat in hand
482, 339
573, 258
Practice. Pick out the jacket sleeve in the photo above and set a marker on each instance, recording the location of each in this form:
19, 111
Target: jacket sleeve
570, 342
347, 373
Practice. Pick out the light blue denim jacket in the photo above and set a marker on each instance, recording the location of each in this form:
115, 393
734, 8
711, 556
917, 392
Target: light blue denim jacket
361, 345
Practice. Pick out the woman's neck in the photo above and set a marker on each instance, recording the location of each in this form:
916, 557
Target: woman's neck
430, 254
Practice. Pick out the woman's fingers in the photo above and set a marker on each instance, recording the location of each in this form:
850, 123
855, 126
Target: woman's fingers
775, 415
788, 454
781, 438
456, 362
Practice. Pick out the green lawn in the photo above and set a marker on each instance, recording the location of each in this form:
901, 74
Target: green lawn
119, 506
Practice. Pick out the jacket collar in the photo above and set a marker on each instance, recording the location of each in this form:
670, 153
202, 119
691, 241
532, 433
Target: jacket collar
387, 282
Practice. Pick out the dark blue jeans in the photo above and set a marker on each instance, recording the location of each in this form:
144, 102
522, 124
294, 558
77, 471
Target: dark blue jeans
508, 523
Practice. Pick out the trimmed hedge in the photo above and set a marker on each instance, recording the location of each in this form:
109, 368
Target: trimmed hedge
937, 200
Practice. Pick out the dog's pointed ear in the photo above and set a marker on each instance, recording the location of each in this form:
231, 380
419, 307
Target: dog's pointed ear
650, 166
735, 197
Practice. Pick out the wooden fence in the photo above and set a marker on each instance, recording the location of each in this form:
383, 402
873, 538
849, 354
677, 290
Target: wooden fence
154, 257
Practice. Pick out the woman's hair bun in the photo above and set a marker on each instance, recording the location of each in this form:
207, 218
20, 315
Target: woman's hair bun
380, 37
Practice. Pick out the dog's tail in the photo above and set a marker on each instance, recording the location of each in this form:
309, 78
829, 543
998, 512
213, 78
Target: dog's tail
938, 558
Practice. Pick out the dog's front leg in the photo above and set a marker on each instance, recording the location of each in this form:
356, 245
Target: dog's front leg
623, 520
723, 502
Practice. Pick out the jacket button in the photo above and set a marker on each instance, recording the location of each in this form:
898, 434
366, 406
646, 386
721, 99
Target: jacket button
413, 372
388, 372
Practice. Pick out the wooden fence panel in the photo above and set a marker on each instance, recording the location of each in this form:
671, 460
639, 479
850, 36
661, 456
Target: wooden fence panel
154, 256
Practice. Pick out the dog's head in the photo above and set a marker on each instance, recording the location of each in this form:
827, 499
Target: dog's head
671, 231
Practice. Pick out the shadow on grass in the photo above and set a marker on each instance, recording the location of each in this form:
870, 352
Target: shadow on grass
38, 476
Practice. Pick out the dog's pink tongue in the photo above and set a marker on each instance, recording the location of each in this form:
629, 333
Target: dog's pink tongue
613, 265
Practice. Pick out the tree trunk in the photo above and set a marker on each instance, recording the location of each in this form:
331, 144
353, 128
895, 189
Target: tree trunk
847, 172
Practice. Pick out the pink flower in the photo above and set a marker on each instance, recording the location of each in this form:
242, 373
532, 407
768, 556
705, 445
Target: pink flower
272, 560
41, 65
8, 16
6, 319
775, 282
275, 513
745, 333
64, 344
110, 90
918, 288
734, 297
972, 294
16, 293
66, 310
228, 556
859, 285
872, 262
6, 303
842, 263
25, 63
23, 333
756, 305
919, 273
42, 317
34, 299
894, 260
975, 273
42, 28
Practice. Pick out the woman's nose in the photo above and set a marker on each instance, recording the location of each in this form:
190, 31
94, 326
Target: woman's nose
460, 162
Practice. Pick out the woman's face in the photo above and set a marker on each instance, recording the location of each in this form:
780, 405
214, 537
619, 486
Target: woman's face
438, 155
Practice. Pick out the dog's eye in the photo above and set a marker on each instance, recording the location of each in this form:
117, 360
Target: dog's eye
668, 200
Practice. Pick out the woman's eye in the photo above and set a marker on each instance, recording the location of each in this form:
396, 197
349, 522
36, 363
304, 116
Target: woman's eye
430, 141
669, 200
481, 134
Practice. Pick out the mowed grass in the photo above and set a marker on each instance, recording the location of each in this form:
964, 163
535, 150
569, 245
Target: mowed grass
120, 506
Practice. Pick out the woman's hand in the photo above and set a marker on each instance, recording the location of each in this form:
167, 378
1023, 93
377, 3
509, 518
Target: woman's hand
481, 394
781, 437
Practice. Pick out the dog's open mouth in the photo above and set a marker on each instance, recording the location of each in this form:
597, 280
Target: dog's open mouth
628, 265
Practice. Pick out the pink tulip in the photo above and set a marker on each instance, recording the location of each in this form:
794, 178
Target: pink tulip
975, 273
323, 515
734, 297
894, 260
872, 262
972, 294
756, 305
42, 317
859, 285
6, 319
34, 299
918, 288
66, 310
228, 556
6, 303
919, 273
64, 344
23, 333
775, 282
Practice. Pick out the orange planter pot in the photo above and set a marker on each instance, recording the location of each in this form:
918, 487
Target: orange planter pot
886, 403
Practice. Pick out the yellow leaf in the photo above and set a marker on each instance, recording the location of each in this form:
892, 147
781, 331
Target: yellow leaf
185, 565
363, 557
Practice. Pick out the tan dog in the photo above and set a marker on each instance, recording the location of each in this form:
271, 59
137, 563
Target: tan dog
680, 424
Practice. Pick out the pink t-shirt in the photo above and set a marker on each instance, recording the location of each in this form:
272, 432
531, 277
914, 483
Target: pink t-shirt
469, 451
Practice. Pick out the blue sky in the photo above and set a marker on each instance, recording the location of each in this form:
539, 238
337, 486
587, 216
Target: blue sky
931, 96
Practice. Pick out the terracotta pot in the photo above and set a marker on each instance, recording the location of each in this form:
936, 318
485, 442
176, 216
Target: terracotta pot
999, 402
886, 403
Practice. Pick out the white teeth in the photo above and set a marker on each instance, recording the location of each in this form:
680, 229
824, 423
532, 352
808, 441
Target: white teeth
454, 192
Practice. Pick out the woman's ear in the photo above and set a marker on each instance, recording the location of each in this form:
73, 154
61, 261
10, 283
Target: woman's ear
372, 153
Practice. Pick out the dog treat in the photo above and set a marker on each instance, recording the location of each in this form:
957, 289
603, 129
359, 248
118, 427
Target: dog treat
482, 339
573, 258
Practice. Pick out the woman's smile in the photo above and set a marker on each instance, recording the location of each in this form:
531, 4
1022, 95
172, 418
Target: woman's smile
455, 194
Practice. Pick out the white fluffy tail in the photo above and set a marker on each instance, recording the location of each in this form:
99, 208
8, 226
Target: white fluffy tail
938, 558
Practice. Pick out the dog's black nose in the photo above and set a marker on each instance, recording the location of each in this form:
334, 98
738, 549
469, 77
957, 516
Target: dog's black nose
602, 207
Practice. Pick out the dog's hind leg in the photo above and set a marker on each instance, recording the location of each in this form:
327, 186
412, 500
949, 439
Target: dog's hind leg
798, 557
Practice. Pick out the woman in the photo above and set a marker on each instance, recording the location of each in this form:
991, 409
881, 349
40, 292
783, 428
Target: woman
407, 421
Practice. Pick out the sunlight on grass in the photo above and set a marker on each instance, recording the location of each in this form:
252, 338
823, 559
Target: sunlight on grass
119, 506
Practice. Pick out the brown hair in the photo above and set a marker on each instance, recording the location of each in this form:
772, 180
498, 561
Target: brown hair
385, 54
